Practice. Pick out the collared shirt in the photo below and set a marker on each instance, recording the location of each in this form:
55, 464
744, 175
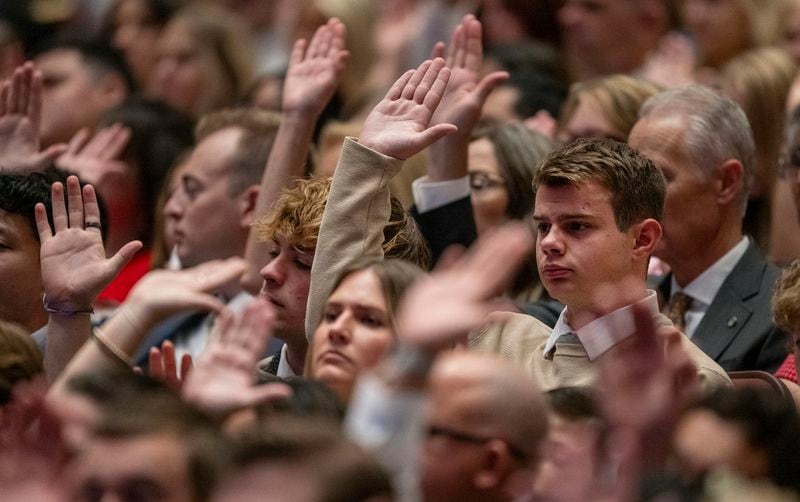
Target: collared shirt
706, 286
430, 195
194, 341
284, 370
604, 332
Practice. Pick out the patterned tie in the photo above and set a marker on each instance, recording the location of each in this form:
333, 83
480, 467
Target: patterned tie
676, 311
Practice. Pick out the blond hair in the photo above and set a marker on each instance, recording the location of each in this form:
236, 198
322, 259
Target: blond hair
619, 98
786, 300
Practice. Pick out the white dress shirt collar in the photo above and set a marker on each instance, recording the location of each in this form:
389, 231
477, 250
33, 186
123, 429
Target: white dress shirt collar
604, 332
284, 370
706, 285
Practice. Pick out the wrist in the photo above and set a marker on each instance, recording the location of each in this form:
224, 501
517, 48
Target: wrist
57, 307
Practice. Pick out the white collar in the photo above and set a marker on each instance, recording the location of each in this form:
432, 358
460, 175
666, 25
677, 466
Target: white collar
706, 285
604, 332
284, 370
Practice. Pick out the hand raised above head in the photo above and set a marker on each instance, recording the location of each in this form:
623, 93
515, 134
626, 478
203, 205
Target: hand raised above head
315, 69
74, 266
399, 126
20, 120
95, 159
467, 91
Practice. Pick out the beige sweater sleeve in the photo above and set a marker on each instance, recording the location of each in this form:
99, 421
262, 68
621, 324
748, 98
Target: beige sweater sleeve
355, 214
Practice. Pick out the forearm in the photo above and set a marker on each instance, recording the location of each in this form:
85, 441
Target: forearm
448, 157
355, 214
286, 161
125, 330
65, 336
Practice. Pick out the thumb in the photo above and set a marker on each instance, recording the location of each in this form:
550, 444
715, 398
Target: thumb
488, 84
435, 133
124, 255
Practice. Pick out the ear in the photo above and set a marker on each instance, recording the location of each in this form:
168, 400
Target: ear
496, 466
728, 180
646, 235
246, 202
111, 89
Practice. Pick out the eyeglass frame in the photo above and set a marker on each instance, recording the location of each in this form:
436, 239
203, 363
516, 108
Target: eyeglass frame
465, 437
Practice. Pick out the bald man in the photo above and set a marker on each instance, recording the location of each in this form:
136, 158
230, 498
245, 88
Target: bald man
485, 422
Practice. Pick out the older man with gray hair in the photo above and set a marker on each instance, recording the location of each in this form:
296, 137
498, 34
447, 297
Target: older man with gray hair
720, 286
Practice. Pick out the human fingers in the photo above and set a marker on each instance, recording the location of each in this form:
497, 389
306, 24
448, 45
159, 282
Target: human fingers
213, 275
411, 86
338, 38
317, 41
488, 84
298, 52
121, 258
397, 88
495, 259
60, 221
170, 364
34, 110
224, 326
116, 143
155, 364
74, 202
42, 224
433, 72
187, 364
16, 90
473, 45
455, 45
23, 98
257, 322
98, 144
439, 51
267, 392
77, 142
433, 95
91, 209
326, 40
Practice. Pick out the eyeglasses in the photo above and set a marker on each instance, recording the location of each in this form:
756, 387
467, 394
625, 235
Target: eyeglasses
479, 180
466, 437
789, 163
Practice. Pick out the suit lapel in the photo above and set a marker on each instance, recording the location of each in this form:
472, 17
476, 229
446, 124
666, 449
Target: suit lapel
728, 313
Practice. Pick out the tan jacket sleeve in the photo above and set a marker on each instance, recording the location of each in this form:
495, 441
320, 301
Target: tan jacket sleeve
355, 214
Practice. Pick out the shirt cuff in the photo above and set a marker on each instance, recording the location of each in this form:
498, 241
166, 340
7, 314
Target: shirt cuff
430, 195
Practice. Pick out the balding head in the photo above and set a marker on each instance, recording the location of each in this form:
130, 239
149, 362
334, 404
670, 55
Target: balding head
486, 421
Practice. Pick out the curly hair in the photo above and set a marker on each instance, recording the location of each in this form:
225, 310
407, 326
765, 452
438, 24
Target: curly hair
297, 216
786, 301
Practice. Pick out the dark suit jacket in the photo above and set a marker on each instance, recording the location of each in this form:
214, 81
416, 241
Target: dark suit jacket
737, 330
450, 224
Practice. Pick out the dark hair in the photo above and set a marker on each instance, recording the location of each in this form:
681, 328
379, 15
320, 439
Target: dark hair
141, 406
158, 13
20, 358
19, 194
573, 403
98, 55
339, 470
636, 185
769, 424
309, 398
159, 136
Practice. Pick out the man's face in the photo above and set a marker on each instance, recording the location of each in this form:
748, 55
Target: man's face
580, 252
286, 280
208, 222
71, 99
597, 31
449, 464
570, 452
147, 468
691, 213
20, 277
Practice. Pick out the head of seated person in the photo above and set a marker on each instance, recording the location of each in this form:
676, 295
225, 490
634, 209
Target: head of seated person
203, 60
597, 208
291, 229
20, 359
358, 322
572, 449
786, 307
20, 275
485, 426
79, 71
605, 107
149, 446
746, 430
303, 460
212, 206
703, 143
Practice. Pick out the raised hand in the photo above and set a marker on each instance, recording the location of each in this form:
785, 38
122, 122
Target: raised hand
223, 380
73, 260
20, 119
456, 298
466, 92
314, 70
95, 159
162, 293
398, 126
162, 365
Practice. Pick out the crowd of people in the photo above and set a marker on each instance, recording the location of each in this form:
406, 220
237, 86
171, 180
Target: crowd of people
361, 250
